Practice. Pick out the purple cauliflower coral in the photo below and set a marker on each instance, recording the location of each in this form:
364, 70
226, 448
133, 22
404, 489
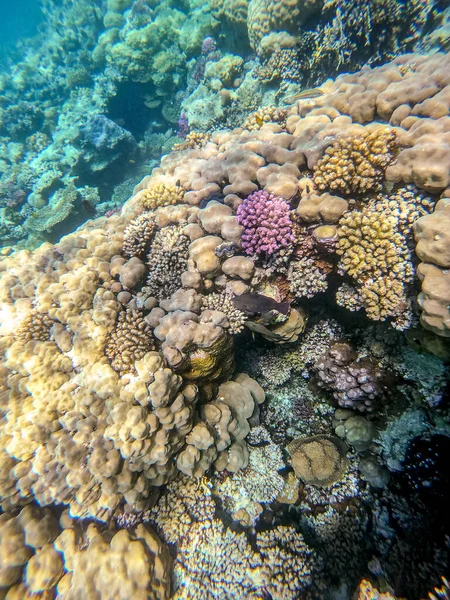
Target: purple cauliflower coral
355, 384
267, 223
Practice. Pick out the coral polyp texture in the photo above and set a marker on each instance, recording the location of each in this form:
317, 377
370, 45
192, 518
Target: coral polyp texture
355, 165
266, 222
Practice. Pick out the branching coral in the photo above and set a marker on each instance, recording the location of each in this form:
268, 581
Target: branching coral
306, 278
355, 165
213, 558
375, 255
375, 244
259, 483
267, 224
129, 342
35, 327
161, 194
167, 260
138, 235
265, 114
223, 304
283, 65
355, 384
194, 139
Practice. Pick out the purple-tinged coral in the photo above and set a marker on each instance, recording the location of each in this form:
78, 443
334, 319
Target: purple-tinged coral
354, 383
267, 223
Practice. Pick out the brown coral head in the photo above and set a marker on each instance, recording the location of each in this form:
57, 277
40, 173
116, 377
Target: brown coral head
318, 460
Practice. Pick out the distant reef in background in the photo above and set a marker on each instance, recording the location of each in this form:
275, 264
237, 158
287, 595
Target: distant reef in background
90, 104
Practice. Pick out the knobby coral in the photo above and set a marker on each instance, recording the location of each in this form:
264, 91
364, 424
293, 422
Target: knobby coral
267, 224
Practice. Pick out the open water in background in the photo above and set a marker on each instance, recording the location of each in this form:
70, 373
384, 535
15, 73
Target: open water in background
19, 19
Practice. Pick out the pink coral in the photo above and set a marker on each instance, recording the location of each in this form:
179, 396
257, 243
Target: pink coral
267, 223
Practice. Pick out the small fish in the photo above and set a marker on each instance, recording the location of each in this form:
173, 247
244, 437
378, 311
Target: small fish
88, 207
253, 304
304, 95
259, 120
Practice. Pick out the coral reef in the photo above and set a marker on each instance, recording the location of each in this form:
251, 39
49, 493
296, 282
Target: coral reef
175, 361
356, 164
355, 384
318, 460
266, 222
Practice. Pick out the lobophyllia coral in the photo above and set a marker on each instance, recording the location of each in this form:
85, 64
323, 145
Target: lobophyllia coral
355, 165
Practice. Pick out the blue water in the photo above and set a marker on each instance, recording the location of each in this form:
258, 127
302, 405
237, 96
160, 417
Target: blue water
19, 20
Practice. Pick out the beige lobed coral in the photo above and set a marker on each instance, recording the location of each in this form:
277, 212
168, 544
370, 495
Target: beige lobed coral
41, 557
432, 237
